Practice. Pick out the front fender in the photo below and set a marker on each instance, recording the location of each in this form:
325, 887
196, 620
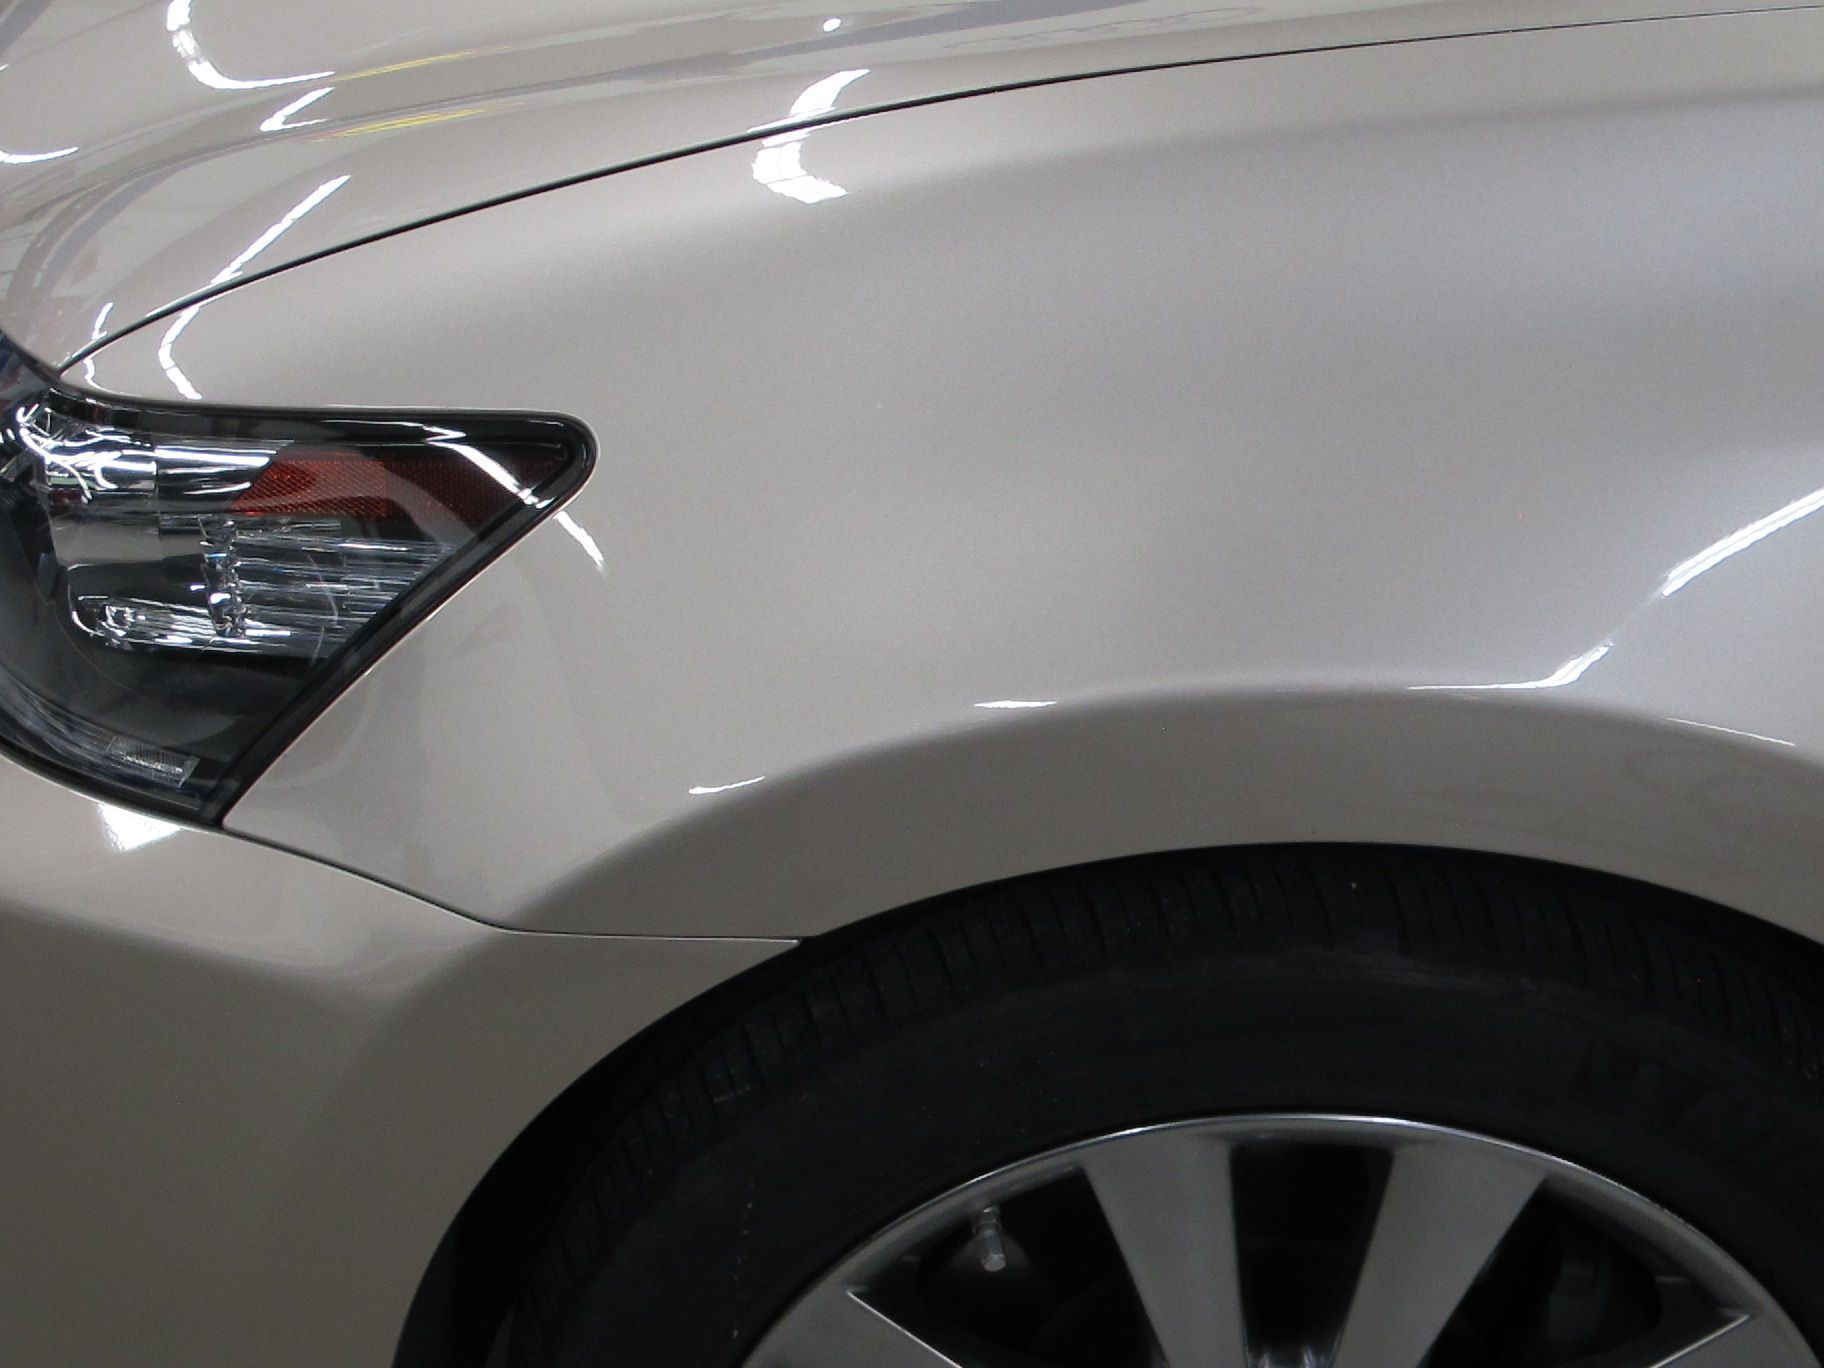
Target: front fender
1418, 445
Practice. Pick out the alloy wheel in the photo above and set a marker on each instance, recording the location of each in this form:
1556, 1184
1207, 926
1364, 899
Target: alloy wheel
1288, 1242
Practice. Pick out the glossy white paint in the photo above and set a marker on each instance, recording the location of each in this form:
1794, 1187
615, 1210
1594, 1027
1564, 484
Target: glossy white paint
150, 154
1413, 444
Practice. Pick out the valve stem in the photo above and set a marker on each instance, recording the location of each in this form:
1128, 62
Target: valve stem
987, 1231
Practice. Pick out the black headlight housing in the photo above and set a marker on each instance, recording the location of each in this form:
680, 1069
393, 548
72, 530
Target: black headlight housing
182, 589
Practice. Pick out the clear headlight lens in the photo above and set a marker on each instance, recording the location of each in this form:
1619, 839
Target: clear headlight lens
180, 591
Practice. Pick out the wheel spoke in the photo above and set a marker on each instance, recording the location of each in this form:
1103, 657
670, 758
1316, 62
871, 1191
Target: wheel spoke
1166, 1196
843, 1331
911, 1298
1444, 1211
1746, 1343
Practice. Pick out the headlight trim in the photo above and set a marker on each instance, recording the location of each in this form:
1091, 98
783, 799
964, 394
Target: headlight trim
418, 471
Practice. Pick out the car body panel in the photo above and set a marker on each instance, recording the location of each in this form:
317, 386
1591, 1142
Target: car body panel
243, 1088
1411, 445
156, 155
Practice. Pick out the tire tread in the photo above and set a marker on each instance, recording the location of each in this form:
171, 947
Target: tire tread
1639, 950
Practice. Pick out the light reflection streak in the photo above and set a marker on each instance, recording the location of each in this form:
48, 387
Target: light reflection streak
1011, 703
95, 333
701, 789
27, 158
278, 229
580, 535
779, 164
487, 465
183, 38
1731, 731
1568, 673
396, 122
501, 476
129, 830
167, 358
1677, 578
1739, 540
280, 119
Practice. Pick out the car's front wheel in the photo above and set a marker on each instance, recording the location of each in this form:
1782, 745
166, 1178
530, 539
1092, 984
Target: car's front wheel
1281, 1109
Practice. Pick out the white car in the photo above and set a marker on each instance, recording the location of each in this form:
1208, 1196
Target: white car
926, 684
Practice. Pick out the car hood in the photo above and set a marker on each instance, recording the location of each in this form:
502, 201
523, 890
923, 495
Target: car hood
153, 154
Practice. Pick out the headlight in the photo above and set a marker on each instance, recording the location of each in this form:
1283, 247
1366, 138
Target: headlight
180, 590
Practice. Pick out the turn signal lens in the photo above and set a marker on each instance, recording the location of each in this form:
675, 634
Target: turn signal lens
180, 591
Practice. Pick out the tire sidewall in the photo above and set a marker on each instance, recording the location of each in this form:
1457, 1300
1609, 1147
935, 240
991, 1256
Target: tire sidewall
877, 1129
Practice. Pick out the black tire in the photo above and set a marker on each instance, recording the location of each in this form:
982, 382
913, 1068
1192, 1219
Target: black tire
1671, 1046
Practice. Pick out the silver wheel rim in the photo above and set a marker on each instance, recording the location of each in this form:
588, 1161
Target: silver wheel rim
1427, 1252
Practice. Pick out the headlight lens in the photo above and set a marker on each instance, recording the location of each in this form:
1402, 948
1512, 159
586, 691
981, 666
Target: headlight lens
180, 591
